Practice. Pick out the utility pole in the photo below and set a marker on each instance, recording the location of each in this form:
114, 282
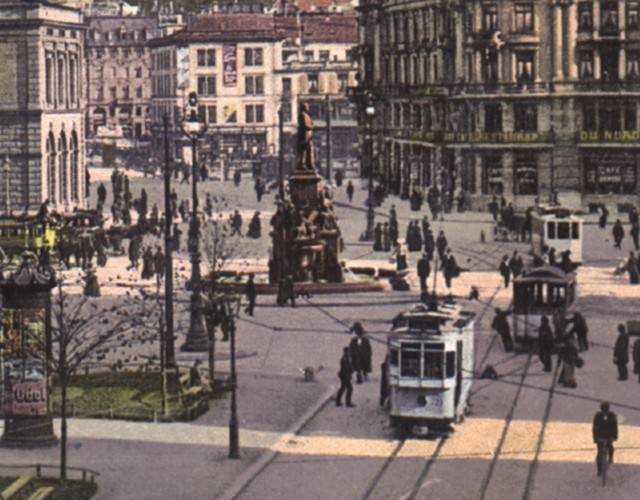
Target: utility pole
281, 151
169, 344
328, 99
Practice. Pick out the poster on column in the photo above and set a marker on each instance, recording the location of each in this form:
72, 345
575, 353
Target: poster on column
25, 387
230, 65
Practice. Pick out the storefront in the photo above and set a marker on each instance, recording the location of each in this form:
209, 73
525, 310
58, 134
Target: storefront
610, 171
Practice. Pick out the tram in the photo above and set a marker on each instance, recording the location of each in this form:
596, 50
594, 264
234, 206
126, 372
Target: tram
556, 227
26, 232
430, 367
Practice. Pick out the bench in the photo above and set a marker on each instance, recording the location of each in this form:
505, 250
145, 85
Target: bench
13, 489
41, 493
186, 388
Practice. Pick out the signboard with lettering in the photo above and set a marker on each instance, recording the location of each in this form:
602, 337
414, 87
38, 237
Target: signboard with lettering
608, 136
25, 387
471, 137
230, 65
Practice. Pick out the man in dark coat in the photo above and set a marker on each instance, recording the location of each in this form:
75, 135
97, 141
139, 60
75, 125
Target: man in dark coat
604, 214
581, 329
250, 292
345, 374
516, 264
621, 352
102, 194
632, 269
360, 350
545, 341
441, 244
501, 325
377, 238
450, 269
386, 237
134, 251
393, 231
160, 262
636, 357
384, 381
635, 232
618, 234
605, 432
505, 271
424, 270
429, 245
350, 190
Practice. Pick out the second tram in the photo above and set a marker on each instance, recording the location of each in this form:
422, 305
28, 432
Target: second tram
558, 228
430, 368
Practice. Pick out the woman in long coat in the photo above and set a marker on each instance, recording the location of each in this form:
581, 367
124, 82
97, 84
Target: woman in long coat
569, 359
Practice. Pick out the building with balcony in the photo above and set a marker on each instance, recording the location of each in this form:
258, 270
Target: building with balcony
245, 68
118, 76
516, 99
41, 106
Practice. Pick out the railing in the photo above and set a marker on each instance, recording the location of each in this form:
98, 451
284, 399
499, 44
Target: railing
85, 474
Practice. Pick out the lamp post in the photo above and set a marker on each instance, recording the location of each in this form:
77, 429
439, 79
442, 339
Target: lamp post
6, 172
328, 111
234, 439
370, 112
281, 148
197, 340
168, 346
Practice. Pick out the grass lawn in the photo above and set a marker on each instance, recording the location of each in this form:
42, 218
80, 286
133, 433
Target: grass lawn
128, 395
69, 490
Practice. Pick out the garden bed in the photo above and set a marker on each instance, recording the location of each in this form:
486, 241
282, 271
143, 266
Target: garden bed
129, 395
64, 490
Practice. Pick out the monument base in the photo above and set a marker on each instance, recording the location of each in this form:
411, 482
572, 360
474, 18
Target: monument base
28, 432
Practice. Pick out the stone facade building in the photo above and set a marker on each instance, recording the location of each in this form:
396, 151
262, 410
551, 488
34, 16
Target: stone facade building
42, 104
244, 68
119, 75
514, 98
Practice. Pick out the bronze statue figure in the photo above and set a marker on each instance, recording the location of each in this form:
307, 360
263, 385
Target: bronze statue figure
306, 160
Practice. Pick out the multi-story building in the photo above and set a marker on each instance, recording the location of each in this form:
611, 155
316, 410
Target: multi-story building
514, 98
41, 105
119, 75
244, 68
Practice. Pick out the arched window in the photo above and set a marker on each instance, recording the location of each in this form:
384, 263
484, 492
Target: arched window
51, 168
74, 167
64, 168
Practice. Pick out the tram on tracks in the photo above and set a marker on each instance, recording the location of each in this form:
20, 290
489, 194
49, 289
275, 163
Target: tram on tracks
430, 367
27, 232
556, 227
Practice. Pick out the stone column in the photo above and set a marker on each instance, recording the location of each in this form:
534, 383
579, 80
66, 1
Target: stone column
622, 19
596, 65
622, 64
596, 17
572, 27
477, 59
557, 42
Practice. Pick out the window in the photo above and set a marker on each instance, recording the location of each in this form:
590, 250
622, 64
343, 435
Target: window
633, 64
202, 114
492, 182
633, 16
585, 64
551, 230
609, 18
451, 364
49, 78
308, 55
524, 18
139, 92
609, 116
286, 112
630, 117
489, 17
524, 66
138, 110
206, 57
286, 86
410, 360
138, 72
610, 173
73, 90
61, 81
253, 85
589, 116
100, 93
253, 57
112, 92
493, 117
343, 82
564, 230
526, 173
490, 67
324, 55
212, 114
525, 117
313, 84
125, 92
254, 113
609, 58
433, 364
206, 85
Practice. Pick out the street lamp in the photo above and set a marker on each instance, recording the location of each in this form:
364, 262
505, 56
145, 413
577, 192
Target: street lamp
6, 171
370, 112
197, 340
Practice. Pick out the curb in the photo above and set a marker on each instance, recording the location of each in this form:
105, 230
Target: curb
251, 472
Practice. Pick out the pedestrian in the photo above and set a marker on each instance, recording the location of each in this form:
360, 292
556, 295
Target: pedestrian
581, 330
493, 208
636, 357
176, 237
423, 269
186, 172
401, 257
148, 264
134, 251
429, 245
500, 324
425, 226
160, 262
250, 292
255, 226
386, 237
545, 341
377, 238
259, 188
91, 285
515, 264
505, 272
338, 177
102, 194
208, 206
360, 350
450, 268
236, 223
635, 232
605, 432
552, 256
393, 231
618, 234
194, 374
384, 381
632, 269
441, 244
345, 374
237, 177
350, 190
621, 353
604, 214
569, 359
288, 291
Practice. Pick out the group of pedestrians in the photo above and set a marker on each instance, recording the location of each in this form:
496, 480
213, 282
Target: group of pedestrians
511, 266
356, 358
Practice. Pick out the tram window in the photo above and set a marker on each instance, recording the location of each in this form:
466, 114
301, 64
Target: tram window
575, 231
451, 364
410, 360
563, 230
433, 364
393, 357
551, 230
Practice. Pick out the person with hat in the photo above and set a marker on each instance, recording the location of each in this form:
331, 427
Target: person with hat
621, 353
360, 350
581, 329
605, 432
501, 325
345, 374
545, 340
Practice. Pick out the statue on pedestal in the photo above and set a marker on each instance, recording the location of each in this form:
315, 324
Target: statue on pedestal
305, 160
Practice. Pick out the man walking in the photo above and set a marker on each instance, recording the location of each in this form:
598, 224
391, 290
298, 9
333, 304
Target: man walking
618, 234
581, 329
545, 339
350, 190
605, 432
360, 350
621, 353
423, 269
505, 271
345, 373
501, 325
250, 292
635, 232
636, 357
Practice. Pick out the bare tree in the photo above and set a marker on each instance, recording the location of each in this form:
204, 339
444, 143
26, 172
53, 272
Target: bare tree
81, 329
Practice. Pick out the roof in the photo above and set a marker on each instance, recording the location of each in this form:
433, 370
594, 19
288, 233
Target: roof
547, 274
241, 27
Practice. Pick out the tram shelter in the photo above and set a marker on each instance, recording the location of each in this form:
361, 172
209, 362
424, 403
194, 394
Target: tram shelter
541, 291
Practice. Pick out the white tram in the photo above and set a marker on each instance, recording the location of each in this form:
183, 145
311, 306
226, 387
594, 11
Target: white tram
556, 227
430, 368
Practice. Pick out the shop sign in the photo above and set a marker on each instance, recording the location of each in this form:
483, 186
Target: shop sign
495, 137
609, 136
25, 386
230, 65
